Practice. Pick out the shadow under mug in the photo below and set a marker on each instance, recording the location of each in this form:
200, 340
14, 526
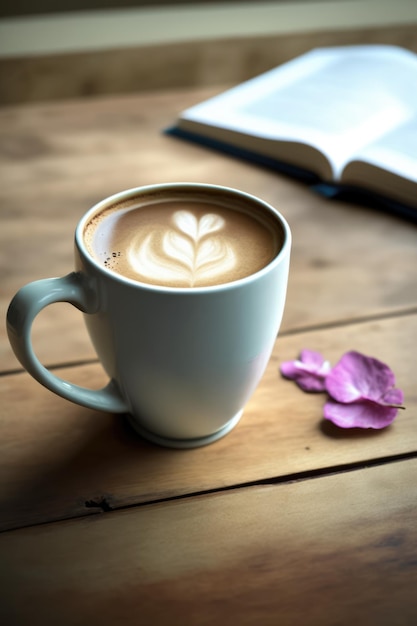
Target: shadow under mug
182, 362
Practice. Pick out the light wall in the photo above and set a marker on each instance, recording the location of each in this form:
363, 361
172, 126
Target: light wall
84, 54
150, 25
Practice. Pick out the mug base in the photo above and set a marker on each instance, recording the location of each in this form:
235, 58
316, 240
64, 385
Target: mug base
184, 443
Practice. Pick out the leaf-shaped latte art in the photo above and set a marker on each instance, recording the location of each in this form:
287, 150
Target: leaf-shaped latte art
214, 257
148, 263
187, 223
190, 254
178, 247
197, 228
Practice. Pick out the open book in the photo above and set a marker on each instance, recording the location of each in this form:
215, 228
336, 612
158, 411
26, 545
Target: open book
347, 115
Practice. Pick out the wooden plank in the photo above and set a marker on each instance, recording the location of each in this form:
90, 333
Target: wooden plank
335, 550
57, 459
56, 160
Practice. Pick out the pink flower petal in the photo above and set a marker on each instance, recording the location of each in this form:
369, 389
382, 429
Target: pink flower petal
312, 359
393, 396
361, 414
309, 372
357, 377
361, 388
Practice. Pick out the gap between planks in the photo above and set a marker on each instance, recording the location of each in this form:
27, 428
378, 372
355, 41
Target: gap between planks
102, 506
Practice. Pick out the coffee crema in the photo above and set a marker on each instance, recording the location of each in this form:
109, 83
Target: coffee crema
183, 242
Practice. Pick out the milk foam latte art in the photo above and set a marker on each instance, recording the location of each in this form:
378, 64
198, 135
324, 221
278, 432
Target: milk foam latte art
182, 243
191, 251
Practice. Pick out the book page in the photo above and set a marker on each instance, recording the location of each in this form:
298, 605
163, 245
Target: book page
389, 165
396, 151
336, 99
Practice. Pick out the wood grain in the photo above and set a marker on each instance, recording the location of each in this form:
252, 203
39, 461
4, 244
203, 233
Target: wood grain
58, 460
332, 550
57, 160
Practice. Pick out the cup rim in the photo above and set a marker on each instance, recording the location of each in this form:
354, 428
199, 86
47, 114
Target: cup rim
186, 186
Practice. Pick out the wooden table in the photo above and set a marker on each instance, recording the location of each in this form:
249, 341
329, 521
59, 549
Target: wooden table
287, 520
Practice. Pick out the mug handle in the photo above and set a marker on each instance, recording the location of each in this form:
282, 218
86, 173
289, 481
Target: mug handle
23, 309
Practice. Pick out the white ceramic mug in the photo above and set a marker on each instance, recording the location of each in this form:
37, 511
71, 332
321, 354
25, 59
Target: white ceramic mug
182, 363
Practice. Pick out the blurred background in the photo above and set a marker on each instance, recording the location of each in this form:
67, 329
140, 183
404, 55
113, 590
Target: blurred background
53, 49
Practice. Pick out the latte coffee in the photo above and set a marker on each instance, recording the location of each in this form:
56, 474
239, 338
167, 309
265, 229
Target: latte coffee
182, 287
183, 240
